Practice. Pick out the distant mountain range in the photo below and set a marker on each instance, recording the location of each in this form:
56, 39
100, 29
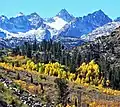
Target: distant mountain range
64, 27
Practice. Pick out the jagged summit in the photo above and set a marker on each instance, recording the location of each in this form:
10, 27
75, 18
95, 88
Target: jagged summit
98, 18
62, 25
20, 14
99, 12
63, 11
3, 18
34, 14
86, 24
64, 14
35, 20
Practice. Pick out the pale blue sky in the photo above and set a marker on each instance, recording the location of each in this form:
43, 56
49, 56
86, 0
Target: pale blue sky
49, 8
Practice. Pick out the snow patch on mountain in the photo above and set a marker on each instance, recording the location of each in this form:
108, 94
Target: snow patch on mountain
101, 31
84, 25
39, 34
57, 24
63, 27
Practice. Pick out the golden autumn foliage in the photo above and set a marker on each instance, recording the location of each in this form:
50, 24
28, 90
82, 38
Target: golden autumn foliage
28, 87
87, 74
55, 69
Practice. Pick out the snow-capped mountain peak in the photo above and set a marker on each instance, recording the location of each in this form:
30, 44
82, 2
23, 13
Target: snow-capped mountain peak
34, 14
63, 11
62, 27
35, 20
65, 15
84, 25
19, 14
3, 18
60, 20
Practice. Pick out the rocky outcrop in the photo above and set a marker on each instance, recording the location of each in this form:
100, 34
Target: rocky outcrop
106, 52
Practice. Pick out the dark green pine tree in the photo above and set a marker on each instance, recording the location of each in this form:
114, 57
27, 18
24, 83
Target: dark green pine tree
29, 50
35, 46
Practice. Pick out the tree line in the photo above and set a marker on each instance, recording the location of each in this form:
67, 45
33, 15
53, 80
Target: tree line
50, 51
